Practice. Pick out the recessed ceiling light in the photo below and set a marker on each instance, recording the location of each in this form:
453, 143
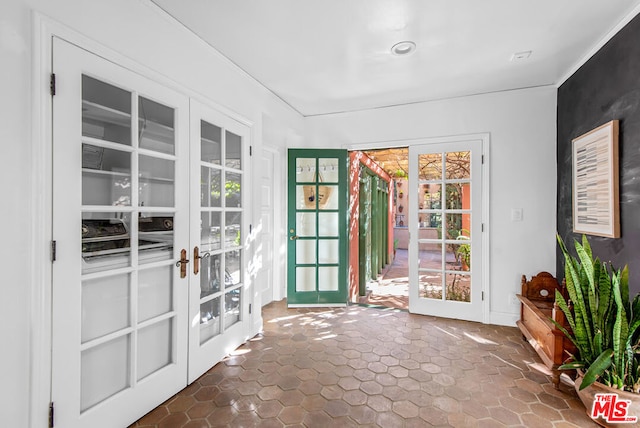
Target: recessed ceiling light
403, 48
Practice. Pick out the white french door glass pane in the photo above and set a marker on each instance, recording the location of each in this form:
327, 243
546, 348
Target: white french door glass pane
305, 251
328, 170
430, 256
328, 278
430, 285
305, 279
458, 165
210, 143
430, 166
233, 194
306, 224
99, 253
106, 176
209, 319
306, 197
210, 238
106, 111
210, 275
233, 271
104, 371
154, 347
328, 224
155, 126
327, 197
458, 287
305, 170
328, 251
156, 187
155, 237
233, 146
155, 291
105, 306
232, 234
210, 185
232, 305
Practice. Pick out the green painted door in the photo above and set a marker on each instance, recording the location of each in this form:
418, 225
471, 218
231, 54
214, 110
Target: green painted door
317, 252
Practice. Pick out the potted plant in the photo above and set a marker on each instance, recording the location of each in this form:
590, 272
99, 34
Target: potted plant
604, 327
463, 253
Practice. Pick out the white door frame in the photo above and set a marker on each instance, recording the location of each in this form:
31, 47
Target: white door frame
39, 235
485, 137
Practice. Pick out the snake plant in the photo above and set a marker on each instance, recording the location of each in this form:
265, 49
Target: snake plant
604, 326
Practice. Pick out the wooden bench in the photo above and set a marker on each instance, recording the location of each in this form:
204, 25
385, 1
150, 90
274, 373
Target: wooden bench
537, 309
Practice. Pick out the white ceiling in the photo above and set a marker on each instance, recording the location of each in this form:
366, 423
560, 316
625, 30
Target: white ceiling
328, 56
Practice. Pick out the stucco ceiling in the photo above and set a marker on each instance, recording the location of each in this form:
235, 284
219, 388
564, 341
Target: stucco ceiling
329, 56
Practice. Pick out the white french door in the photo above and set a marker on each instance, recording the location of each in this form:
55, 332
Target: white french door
119, 302
445, 226
150, 224
220, 301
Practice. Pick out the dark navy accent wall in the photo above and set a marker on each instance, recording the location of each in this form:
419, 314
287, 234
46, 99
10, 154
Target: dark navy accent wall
606, 87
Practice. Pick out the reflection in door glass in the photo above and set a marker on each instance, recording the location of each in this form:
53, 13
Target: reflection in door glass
233, 146
106, 112
209, 319
156, 187
232, 301
210, 275
210, 182
232, 190
232, 263
106, 241
210, 235
106, 176
155, 126
210, 148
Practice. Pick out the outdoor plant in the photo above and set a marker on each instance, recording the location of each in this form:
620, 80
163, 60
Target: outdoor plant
464, 250
604, 325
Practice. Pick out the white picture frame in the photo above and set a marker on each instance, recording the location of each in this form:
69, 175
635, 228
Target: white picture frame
596, 200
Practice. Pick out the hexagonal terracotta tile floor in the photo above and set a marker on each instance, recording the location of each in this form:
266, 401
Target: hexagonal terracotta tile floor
363, 366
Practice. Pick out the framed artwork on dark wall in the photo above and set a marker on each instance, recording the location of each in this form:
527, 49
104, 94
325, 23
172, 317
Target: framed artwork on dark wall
596, 200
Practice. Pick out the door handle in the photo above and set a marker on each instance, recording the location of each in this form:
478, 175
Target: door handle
294, 237
182, 263
196, 259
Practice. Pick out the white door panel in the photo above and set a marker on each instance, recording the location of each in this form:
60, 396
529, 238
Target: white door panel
445, 226
119, 304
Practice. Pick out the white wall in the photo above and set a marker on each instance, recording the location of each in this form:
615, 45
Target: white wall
135, 29
522, 127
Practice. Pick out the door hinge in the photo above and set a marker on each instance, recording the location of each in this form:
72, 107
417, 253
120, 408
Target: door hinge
482, 159
53, 250
250, 150
52, 84
249, 308
250, 229
483, 295
51, 415
482, 228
